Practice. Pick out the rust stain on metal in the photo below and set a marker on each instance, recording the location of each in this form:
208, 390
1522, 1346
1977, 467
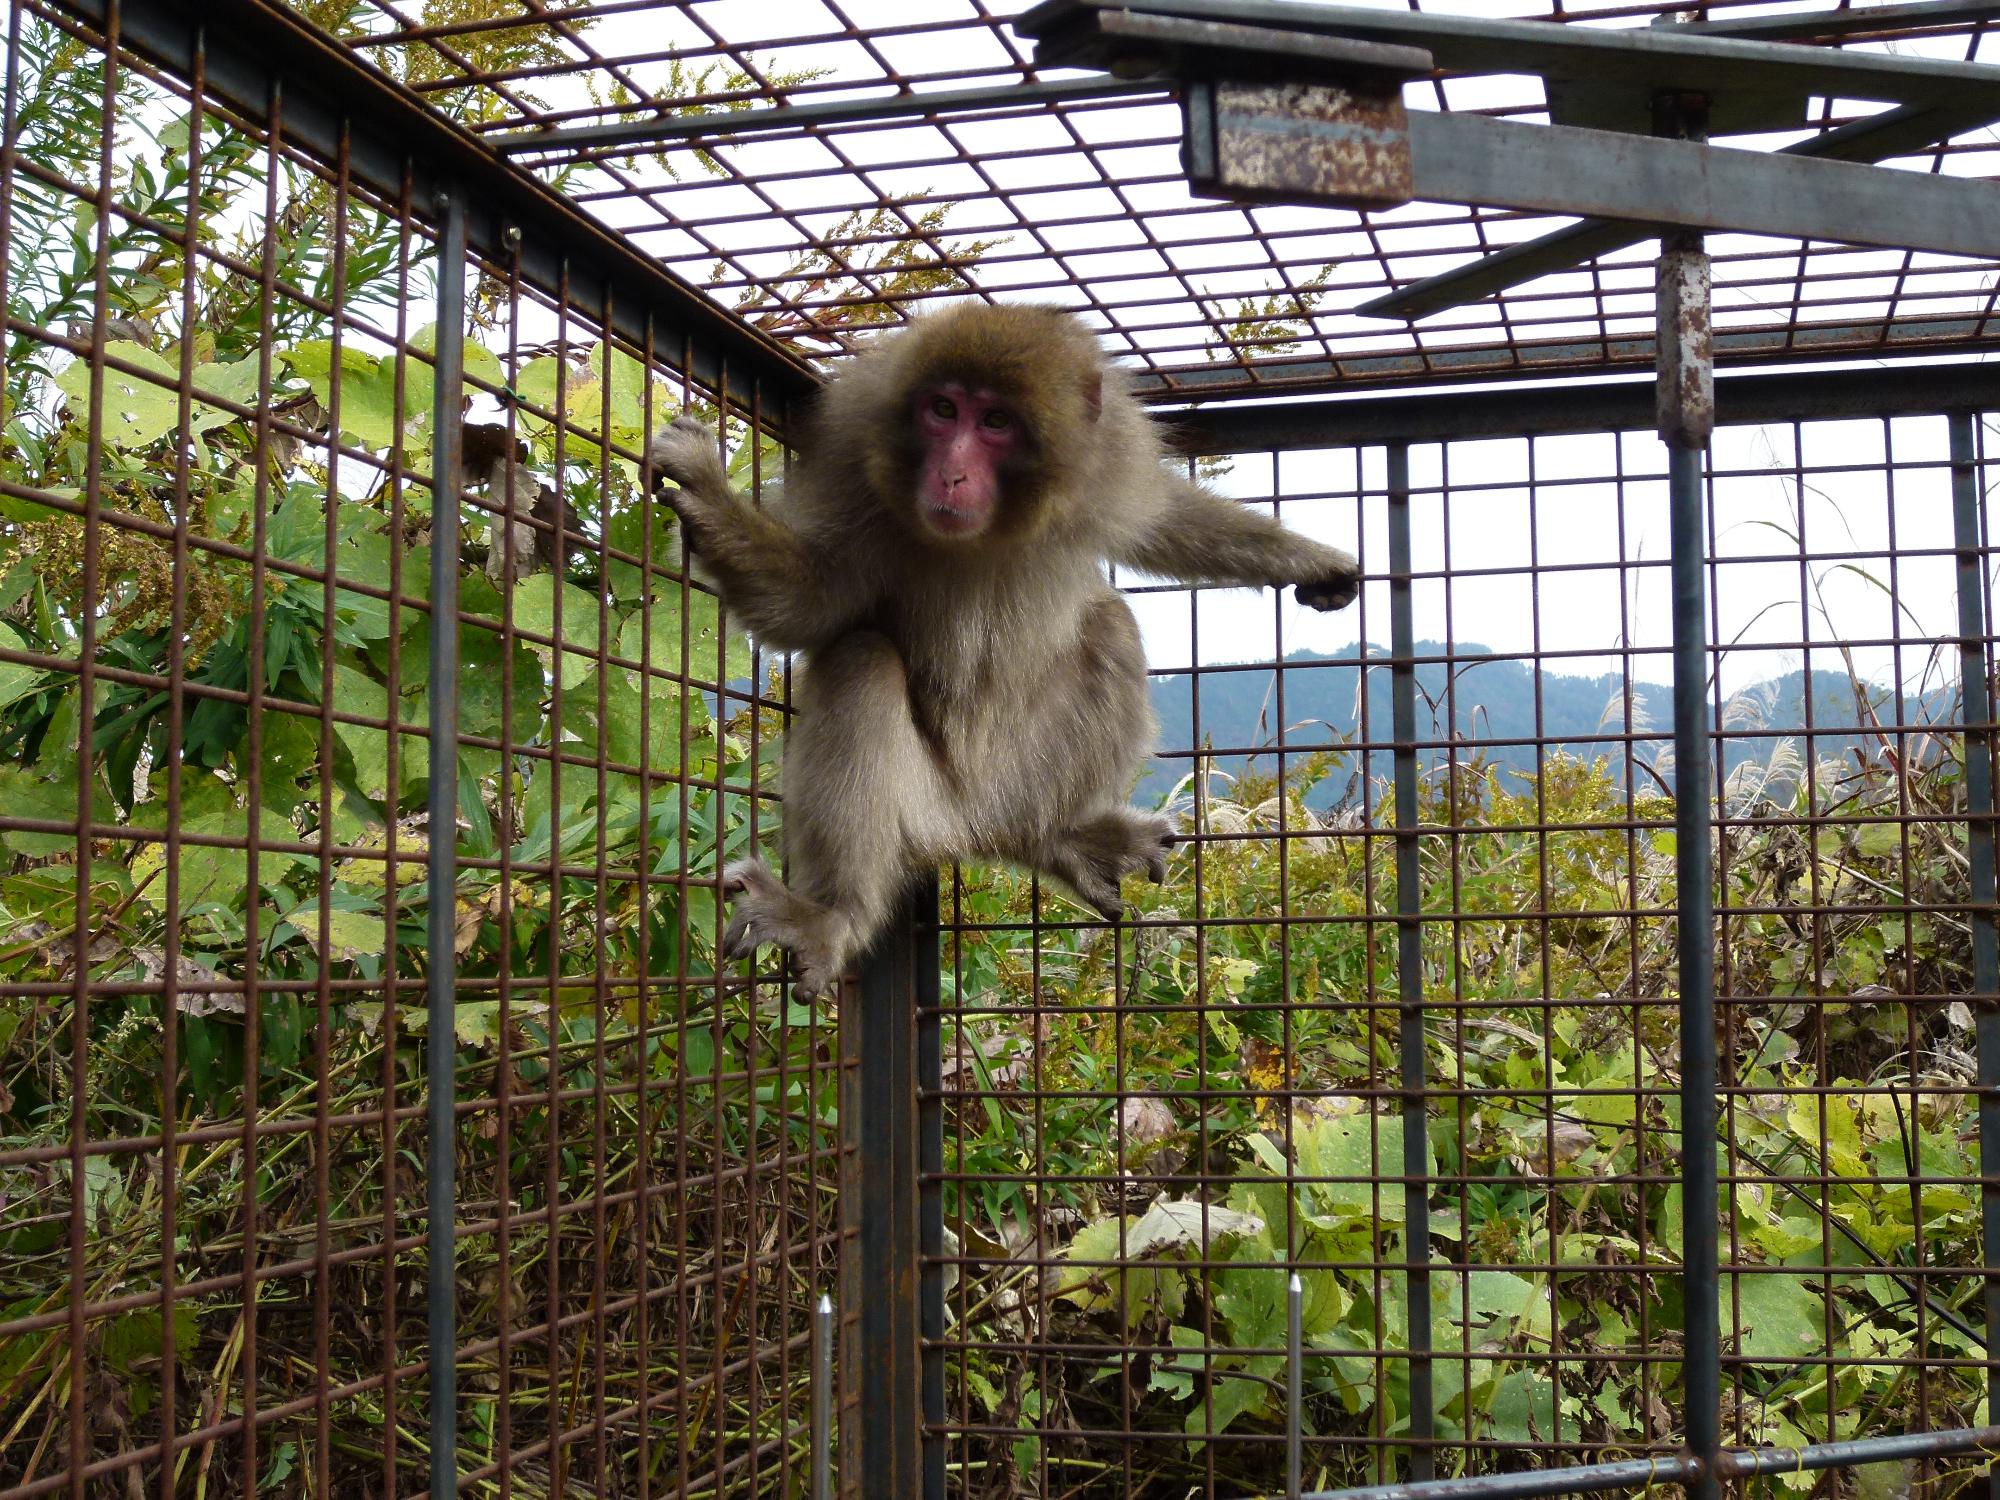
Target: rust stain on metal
1331, 144
1686, 343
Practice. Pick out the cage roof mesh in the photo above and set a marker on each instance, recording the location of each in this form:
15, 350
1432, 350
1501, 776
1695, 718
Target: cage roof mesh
815, 234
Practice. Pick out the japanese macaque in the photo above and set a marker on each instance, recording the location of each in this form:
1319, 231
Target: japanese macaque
972, 686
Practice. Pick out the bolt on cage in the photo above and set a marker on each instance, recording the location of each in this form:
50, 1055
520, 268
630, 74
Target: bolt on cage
1418, 964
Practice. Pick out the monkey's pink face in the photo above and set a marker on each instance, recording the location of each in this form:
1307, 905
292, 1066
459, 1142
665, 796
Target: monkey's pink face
966, 437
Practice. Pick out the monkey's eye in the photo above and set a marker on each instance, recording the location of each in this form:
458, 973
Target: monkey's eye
944, 406
998, 420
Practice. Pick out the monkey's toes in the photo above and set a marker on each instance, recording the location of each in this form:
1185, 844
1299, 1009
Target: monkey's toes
814, 982
1336, 591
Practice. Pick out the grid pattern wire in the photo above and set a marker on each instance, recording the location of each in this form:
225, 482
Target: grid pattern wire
303, 567
224, 1296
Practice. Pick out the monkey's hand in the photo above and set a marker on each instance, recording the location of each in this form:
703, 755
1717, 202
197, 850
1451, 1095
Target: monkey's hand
685, 455
1334, 588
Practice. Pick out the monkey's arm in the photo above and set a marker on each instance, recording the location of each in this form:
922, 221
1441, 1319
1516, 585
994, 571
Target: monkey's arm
783, 594
1199, 537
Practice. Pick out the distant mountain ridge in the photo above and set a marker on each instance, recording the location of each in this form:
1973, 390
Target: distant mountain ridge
1488, 701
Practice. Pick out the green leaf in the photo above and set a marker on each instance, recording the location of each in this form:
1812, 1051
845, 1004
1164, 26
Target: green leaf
1239, 1388
534, 603
236, 381
1782, 1317
352, 934
355, 692
53, 798
1359, 1146
366, 389
212, 873
137, 412
16, 681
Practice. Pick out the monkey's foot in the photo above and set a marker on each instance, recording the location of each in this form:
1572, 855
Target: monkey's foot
766, 912
1098, 855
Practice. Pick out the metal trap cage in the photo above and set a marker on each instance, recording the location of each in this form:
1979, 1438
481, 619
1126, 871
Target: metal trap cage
1561, 1056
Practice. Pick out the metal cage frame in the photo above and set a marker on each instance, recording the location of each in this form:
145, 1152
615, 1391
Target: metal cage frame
312, 95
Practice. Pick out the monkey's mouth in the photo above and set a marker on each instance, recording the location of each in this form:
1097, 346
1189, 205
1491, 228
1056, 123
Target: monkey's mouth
953, 520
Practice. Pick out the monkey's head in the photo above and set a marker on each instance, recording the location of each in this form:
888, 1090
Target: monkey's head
983, 416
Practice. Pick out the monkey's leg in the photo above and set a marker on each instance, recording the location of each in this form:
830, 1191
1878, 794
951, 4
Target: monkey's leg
862, 803
1094, 855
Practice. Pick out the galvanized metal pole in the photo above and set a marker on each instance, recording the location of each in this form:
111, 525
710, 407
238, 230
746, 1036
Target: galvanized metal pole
1976, 712
820, 1439
1295, 1386
441, 863
1686, 400
1410, 968
925, 994
893, 1298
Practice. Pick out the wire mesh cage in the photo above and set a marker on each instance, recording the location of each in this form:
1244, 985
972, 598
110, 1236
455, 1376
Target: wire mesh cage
1357, 1154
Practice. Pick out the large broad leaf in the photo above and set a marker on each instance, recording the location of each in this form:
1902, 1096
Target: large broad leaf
137, 412
236, 382
26, 795
1782, 1317
220, 873
1359, 1146
365, 389
1147, 1247
355, 692
534, 605
1238, 1386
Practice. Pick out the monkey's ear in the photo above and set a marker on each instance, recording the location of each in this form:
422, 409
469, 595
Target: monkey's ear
1093, 394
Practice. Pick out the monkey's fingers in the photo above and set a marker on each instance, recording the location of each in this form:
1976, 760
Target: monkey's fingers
740, 941
1335, 591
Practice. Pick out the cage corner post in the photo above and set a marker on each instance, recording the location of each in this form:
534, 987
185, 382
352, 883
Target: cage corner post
1976, 715
441, 873
892, 1221
1686, 411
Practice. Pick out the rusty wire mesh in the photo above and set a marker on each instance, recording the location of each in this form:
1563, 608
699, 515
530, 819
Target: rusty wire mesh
218, 501
811, 232
1218, 1080
216, 482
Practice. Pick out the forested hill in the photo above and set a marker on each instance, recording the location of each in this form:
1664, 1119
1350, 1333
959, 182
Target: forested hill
1490, 700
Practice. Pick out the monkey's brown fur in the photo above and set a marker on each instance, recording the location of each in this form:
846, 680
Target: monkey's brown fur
963, 697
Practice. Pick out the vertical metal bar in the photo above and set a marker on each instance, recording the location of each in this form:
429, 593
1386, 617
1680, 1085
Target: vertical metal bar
94, 467
1693, 875
441, 861
821, 1438
926, 997
1976, 712
1295, 1386
1409, 967
894, 1211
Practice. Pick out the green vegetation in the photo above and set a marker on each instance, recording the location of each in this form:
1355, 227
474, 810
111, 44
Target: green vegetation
281, 686
1581, 1091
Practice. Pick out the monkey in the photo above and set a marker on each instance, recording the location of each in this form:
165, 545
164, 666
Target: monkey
970, 684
